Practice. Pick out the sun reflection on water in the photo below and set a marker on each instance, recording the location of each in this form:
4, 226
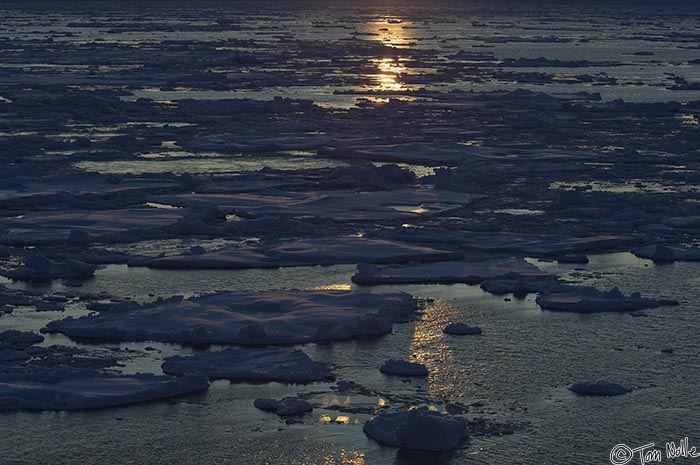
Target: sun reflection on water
389, 30
390, 70
430, 347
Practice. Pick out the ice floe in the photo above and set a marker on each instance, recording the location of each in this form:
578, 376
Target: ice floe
461, 329
123, 225
307, 252
340, 206
233, 258
38, 267
275, 317
352, 249
62, 389
513, 283
242, 364
598, 389
665, 253
590, 300
467, 271
403, 368
417, 429
527, 244
573, 258
284, 408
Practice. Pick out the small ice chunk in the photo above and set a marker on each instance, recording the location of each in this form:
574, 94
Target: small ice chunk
267, 404
403, 368
598, 389
573, 258
297, 407
461, 329
241, 364
418, 429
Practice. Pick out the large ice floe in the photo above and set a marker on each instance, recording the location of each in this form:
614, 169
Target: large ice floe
244, 364
307, 252
417, 429
252, 318
59, 227
590, 300
230, 259
341, 206
527, 244
448, 272
63, 389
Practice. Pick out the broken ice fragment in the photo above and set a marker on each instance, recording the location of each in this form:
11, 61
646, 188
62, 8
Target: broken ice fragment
418, 429
403, 368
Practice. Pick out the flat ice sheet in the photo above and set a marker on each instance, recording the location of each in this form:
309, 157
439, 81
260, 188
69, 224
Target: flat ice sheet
467, 271
499, 241
243, 364
308, 252
61, 389
341, 206
277, 317
55, 227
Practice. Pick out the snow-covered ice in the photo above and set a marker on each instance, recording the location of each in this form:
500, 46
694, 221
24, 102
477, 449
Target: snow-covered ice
403, 368
417, 429
590, 300
527, 244
284, 408
254, 318
666, 253
61, 389
307, 252
242, 364
598, 389
461, 329
340, 206
467, 271
518, 284
39, 267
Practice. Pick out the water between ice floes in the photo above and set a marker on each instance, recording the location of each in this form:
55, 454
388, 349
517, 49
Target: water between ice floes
518, 369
